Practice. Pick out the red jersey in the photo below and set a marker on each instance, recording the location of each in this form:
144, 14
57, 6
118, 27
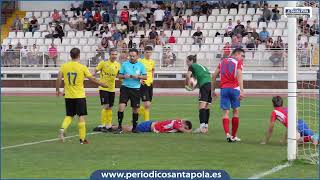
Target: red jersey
168, 126
124, 16
280, 113
228, 72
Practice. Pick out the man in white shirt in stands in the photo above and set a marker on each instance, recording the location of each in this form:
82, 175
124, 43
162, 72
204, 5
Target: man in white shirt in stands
158, 17
229, 28
24, 53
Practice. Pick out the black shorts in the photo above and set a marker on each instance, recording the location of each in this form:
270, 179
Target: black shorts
76, 106
106, 97
142, 24
146, 92
131, 94
159, 23
205, 93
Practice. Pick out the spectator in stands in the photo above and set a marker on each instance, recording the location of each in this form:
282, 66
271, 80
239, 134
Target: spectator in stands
134, 17
75, 6
179, 24
276, 55
264, 34
266, 14
123, 28
304, 55
248, 28
58, 32
168, 56
158, 17
142, 42
113, 11
280, 42
25, 25
116, 37
163, 36
104, 28
91, 25
123, 52
106, 16
167, 14
124, 15
250, 42
305, 27
197, 37
81, 23
24, 53
149, 13
269, 43
153, 34
159, 41
9, 57
188, 23
52, 55
87, 4
73, 23
275, 13
105, 43
55, 16
64, 18
172, 39
196, 9
142, 18
179, 8
254, 34
100, 56
51, 30
35, 55
239, 28
314, 29
87, 14
229, 29
300, 42
131, 28
205, 8
33, 25
169, 24
154, 7
236, 42
226, 50
97, 18
17, 25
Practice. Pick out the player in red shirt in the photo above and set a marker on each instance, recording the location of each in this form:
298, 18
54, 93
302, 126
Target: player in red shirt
280, 113
231, 85
165, 126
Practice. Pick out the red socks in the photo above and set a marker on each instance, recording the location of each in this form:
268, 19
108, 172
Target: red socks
225, 122
235, 125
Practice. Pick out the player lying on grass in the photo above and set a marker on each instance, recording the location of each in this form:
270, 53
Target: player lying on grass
165, 126
280, 113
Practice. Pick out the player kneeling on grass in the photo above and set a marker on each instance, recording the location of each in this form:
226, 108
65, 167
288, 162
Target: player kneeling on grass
203, 77
108, 74
280, 113
165, 126
74, 73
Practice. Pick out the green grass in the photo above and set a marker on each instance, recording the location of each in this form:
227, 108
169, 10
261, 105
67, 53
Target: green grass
31, 119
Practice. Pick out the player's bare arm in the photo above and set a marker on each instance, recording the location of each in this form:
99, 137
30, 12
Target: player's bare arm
240, 80
214, 81
58, 83
123, 76
141, 77
94, 80
268, 133
183, 130
189, 74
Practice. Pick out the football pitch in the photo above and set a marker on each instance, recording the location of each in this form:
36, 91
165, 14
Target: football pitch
36, 120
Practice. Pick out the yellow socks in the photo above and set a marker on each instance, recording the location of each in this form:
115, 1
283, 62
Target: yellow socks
82, 130
104, 117
66, 122
109, 118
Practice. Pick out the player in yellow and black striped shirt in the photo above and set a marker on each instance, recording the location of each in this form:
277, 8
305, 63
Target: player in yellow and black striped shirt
74, 73
146, 89
108, 73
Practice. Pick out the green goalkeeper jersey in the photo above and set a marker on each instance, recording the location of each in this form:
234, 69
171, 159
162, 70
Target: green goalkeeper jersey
201, 73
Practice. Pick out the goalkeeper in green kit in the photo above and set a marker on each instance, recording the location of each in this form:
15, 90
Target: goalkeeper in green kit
203, 77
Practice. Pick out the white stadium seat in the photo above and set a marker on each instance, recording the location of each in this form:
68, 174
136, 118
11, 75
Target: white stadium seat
28, 35
88, 34
233, 11
185, 48
12, 35
176, 33
203, 19
40, 42
65, 41
256, 17
215, 12
47, 20
217, 40
238, 17
43, 48
224, 12
47, 41
185, 33
189, 40
251, 11
68, 48
212, 33
272, 24
6, 42
20, 34
45, 14
313, 39
221, 19
205, 48
212, 19
23, 42
83, 41
194, 19
86, 49
214, 47
43, 27
281, 25
31, 41
71, 34
216, 26
37, 14
60, 49
227, 39
43, 34
230, 17
277, 32
29, 14
262, 24
285, 32
208, 40
37, 34
92, 41
242, 11
207, 26
247, 18
57, 41
79, 34
195, 48
181, 40
200, 25
176, 48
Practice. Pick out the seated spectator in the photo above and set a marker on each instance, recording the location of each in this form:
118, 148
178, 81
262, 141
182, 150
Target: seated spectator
142, 18
172, 39
158, 17
73, 23
248, 28
276, 55
58, 32
159, 41
254, 34
179, 8
169, 24
229, 29
269, 43
106, 16
52, 55
131, 28
116, 37
123, 52
134, 16
81, 23
196, 9
266, 15
9, 57
75, 6
280, 42
304, 55
305, 27
163, 37
91, 25
25, 24
236, 42
153, 33
97, 18
188, 23
300, 42
314, 29
205, 8
56, 16
87, 4
64, 18
87, 14
250, 42
226, 50
51, 30
100, 56
105, 43
36, 56
24, 53
264, 34
275, 13
104, 28
142, 42
154, 7
197, 36
33, 25
167, 14
239, 28
124, 15
124, 28
17, 25
113, 27
168, 57
179, 23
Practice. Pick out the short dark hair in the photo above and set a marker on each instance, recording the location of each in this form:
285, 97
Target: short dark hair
112, 50
188, 124
133, 50
192, 58
237, 50
148, 48
277, 101
75, 53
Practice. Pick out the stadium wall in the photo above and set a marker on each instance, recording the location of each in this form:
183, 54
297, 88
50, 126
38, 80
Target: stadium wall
44, 5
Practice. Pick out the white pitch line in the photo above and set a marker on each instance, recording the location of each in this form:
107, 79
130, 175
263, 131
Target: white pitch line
271, 171
38, 142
